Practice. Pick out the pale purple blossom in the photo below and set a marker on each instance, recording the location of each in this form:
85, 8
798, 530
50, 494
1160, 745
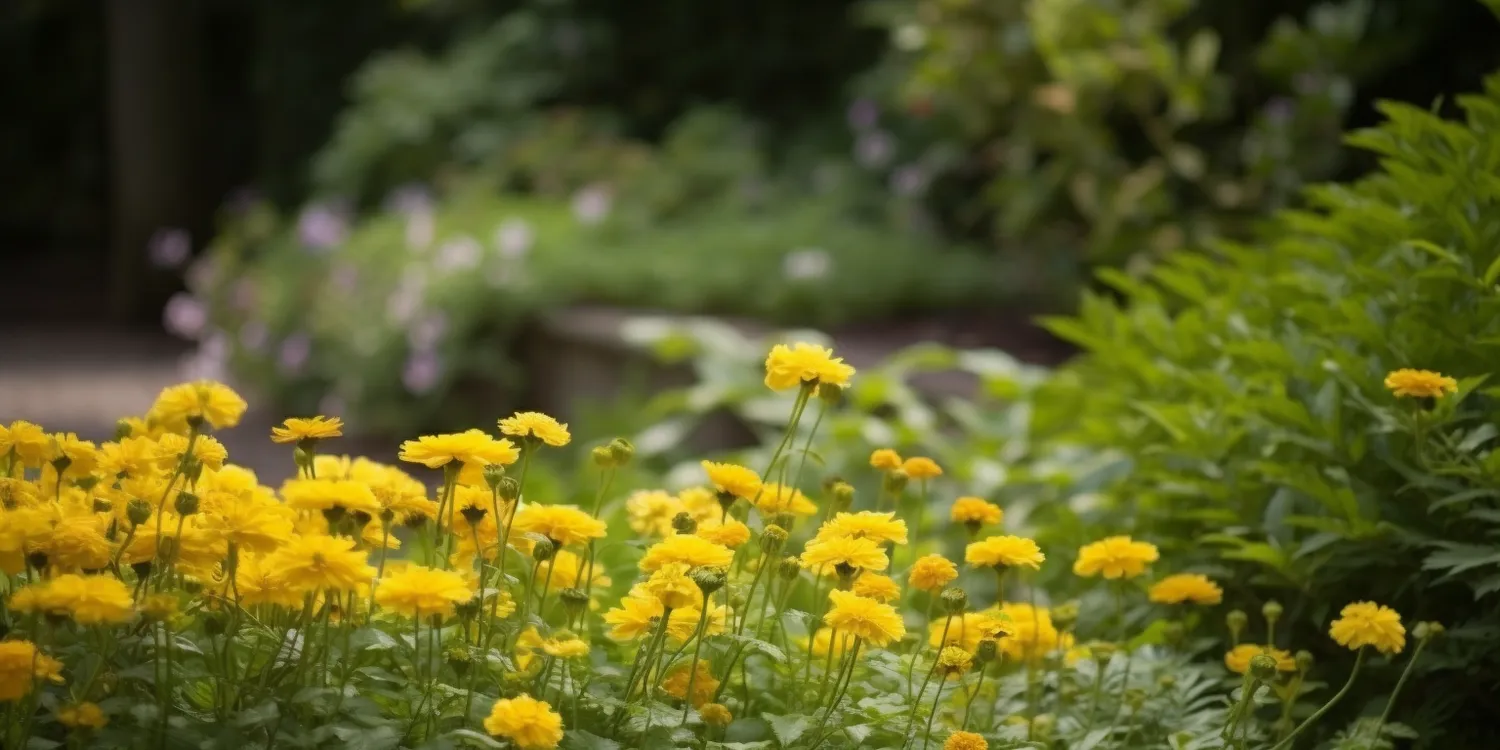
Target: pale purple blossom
295, 351
513, 238
592, 204
323, 226
427, 331
874, 149
244, 295
185, 316
459, 254
909, 180
254, 336
806, 264
409, 199
169, 248
421, 227
422, 371
863, 114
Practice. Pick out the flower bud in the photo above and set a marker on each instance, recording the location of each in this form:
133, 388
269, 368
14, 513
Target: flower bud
715, 714
622, 451
302, 456
1065, 615
468, 610
784, 520
895, 481
684, 523
102, 506
458, 659
709, 580
1304, 661
789, 567
602, 457
1041, 726
830, 393
1427, 629
574, 600
1236, 620
543, 549
492, 476
1263, 667
187, 503
988, 649
1135, 698
955, 600
1167, 681
772, 538
1103, 651
1271, 611
509, 489
123, 430
842, 496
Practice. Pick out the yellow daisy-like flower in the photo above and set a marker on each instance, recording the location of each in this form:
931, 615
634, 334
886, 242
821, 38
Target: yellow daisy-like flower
651, 512
258, 583
295, 430
81, 456
715, 714
181, 406
732, 479
826, 554
87, 600
878, 587
701, 503
954, 662
1005, 551
976, 512
1369, 624
1408, 383
423, 592
321, 563
534, 424
824, 639
1115, 557
528, 723
880, 527
251, 525
686, 549
731, 534
683, 624
326, 494
566, 570
672, 587
965, 741
1238, 658
132, 456
932, 572
791, 366
1186, 587
27, 440
21, 665
82, 716
778, 498
1029, 632
159, 607
530, 641
470, 447
885, 459
875, 623
563, 524
78, 543
921, 467
966, 630
634, 618
207, 450
704, 683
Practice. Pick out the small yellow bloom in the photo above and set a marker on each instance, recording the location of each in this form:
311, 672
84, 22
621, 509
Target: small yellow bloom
82, 716
159, 607
823, 640
731, 534
885, 459
671, 586
976, 512
715, 714
687, 549
921, 467
778, 498
326, 494
1238, 658
932, 572
87, 600
534, 424
651, 511
875, 586
423, 592
704, 684
1005, 551
297, 429
566, 570
733, 479
965, 741
966, 630
880, 527
28, 440
635, 617
321, 563
1115, 557
563, 524
1408, 383
875, 623
954, 662
21, 665
527, 722
470, 447
826, 554
792, 366
181, 406
1186, 587
566, 646
1369, 624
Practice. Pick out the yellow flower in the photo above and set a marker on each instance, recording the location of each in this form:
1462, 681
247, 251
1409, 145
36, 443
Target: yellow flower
470, 447
1238, 659
875, 586
885, 459
823, 555
326, 494
701, 503
731, 534
687, 549
207, 450
82, 716
921, 467
181, 406
251, 525
82, 456
776, 498
932, 572
1030, 632
791, 366
566, 569
880, 527
683, 624
17, 492
531, 641
133, 456
875, 623
976, 512
295, 430
527, 722
651, 512
965, 741
563, 524
78, 543
1420, 383
1369, 624
423, 592
954, 662
823, 639
21, 665
87, 600
671, 586
1115, 557
635, 617
966, 630
1186, 587
535, 424
258, 583
1006, 551
28, 440
732, 479
704, 684
319, 563
159, 607
715, 714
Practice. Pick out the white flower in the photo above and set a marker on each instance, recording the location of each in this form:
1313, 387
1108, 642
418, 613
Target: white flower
460, 254
513, 238
807, 263
592, 204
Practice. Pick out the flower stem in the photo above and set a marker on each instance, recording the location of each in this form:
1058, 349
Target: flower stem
1401, 682
1359, 660
687, 699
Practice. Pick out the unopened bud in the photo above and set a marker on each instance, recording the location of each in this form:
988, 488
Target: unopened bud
1304, 661
509, 489
842, 496
830, 393
1236, 620
789, 567
468, 610
1263, 667
543, 549
187, 503
622, 451
458, 659
493, 473
123, 430
684, 523
574, 600
988, 649
709, 580
784, 520
955, 600
895, 481
1065, 614
1271, 610
1427, 629
602, 457
1103, 651
772, 538
1167, 681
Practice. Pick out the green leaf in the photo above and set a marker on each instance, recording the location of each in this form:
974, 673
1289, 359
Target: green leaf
262, 715
859, 733
1457, 558
788, 729
769, 649
577, 739
475, 738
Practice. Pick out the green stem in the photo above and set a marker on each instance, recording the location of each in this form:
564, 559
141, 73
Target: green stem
1359, 661
970, 703
1400, 683
687, 700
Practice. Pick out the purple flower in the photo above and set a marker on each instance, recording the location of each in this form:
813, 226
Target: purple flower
864, 113
244, 295
874, 150
169, 248
591, 204
295, 351
254, 335
422, 371
909, 180
427, 331
409, 199
184, 316
323, 226
513, 238
459, 254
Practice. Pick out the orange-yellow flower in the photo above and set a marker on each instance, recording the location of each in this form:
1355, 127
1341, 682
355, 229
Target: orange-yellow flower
875, 623
1186, 587
296, 429
181, 406
1005, 551
976, 512
534, 424
875, 586
1115, 557
921, 467
885, 459
470, 447
732, 479
528, 723
423, 592
932, 572
563, 524
879, 527
1369, 624
827, 554
1408, 383
791, 366
686, 549
779, 498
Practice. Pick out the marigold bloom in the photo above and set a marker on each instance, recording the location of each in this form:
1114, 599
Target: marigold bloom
777, 498
207, 450
879, 527
531, 641
651, 512
563, 524
180, 406
27, 440
792, 366
251, 525
1408, 383
132, 456
885, 459
704, 684
470, 447
1369, 624
258, 583
295, 429
1030, 633
702, 504
731, 534
823, 640
326, 494
87, 600
635, 617
976, 512
671, 586
21, 664
687, 549
715, 714
535, 424
966, 630
1186, 587
732, 479
423, 592
82, 716
965, 741
823, 555
683, 624
954, 662
921, 467
527, 722
932, 572
1238, 658
875, 623
78, 543
875, 586
1115, 557
319, 563
1005, 551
